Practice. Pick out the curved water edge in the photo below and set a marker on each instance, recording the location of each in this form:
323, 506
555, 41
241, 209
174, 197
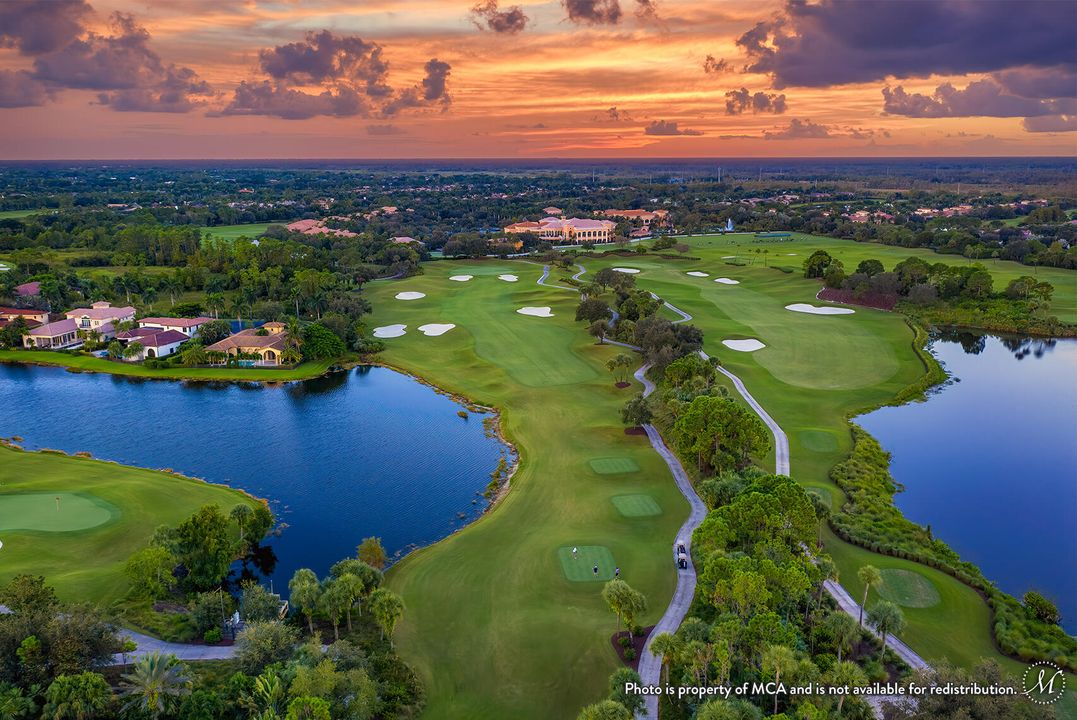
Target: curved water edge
988, 462
367, 451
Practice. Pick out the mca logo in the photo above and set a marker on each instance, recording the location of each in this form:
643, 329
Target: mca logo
1044, 683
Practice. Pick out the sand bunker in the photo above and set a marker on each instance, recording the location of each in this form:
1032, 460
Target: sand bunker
535, 311
388, 331
410, 295
435, 329
727, 281
697, 273
749, 345
790, 254
813, 310
630, 271
461, 278
729, 257
508, 278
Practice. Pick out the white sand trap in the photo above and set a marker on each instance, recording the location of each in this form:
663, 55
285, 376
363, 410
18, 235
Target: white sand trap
435, 329
749, 345
697, 273
461, 278
727, 281
388, 331
729, 257
535, 311
813, 310
790, 254
410, 295
508, 278
630, 271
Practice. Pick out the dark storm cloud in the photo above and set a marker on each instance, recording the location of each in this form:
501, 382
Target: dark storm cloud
19, 88
983, 98
323, 56
1051, 123
36, 27
740, 101
647, 10
268, 98
1052, 82
849, 41
667, 128
798, 129
432, 91
593, 12
711, 66
130, 74
487, 15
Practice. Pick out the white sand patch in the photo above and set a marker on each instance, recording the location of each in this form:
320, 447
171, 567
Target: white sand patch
388, 331
729, 257
435, 329
813, 310
749, 345
630, 271
461, 278
536, 311
508, 278
727, 281
410, 295
790, 254
697, 273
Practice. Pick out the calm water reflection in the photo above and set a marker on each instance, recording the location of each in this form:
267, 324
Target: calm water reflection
990, 461
351, 454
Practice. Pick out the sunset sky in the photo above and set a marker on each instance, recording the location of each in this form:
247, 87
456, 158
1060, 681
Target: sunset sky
112, 79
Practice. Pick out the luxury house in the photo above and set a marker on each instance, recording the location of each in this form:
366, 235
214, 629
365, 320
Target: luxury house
267, 342
187, 326
561, 230
57, 335
101, 318
32, 317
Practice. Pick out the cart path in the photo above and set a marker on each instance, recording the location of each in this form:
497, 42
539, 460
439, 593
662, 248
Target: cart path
148, 645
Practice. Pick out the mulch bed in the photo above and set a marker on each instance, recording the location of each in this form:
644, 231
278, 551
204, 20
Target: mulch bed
635, 431
879, 302
637, 645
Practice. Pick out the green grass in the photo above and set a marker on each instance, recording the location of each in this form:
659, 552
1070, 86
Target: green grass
16, 214
87, 564
613, 465
632, 506
908, 588
88, 363
234, 232
493, 626
59, 511
581, 568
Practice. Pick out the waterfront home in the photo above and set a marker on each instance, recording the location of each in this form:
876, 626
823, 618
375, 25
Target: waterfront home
266, 342
54, 336
155, 342
30, 315
187, 326
405, 240
562, 230
101, 318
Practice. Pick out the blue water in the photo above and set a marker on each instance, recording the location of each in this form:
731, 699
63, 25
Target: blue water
990, 462
364, 452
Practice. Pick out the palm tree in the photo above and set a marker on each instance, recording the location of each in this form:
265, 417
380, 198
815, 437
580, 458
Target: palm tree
388, 608
352, 588
869, 577
844, 630
215, 303
149, 295
306, 593
845, 674
241, 514
267, 697
172, 286
667, 646
778, 659
155, 684
886, 618
132, 350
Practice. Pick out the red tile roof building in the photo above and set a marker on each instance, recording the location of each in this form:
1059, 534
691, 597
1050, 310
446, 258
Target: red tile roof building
573, 230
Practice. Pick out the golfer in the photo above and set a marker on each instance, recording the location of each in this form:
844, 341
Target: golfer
595, 568
573, 553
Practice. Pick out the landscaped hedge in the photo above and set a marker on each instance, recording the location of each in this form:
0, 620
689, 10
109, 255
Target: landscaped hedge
870, 519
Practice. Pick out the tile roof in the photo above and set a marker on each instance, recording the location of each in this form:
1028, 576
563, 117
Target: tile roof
60, 327
174, 321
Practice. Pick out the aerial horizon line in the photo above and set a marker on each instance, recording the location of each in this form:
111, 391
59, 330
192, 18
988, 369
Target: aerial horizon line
549, 159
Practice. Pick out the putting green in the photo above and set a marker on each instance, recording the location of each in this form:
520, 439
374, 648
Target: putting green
636, 505
582, 567
41, 512
908, 588
613, 465
818, 440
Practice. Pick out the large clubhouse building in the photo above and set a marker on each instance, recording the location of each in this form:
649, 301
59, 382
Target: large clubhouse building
568, 231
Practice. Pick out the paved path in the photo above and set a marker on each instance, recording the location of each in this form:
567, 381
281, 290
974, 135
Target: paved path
183, 651
650, 665
546, 275
852, 607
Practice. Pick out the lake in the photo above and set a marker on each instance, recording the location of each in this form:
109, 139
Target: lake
352, 454
990, 460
